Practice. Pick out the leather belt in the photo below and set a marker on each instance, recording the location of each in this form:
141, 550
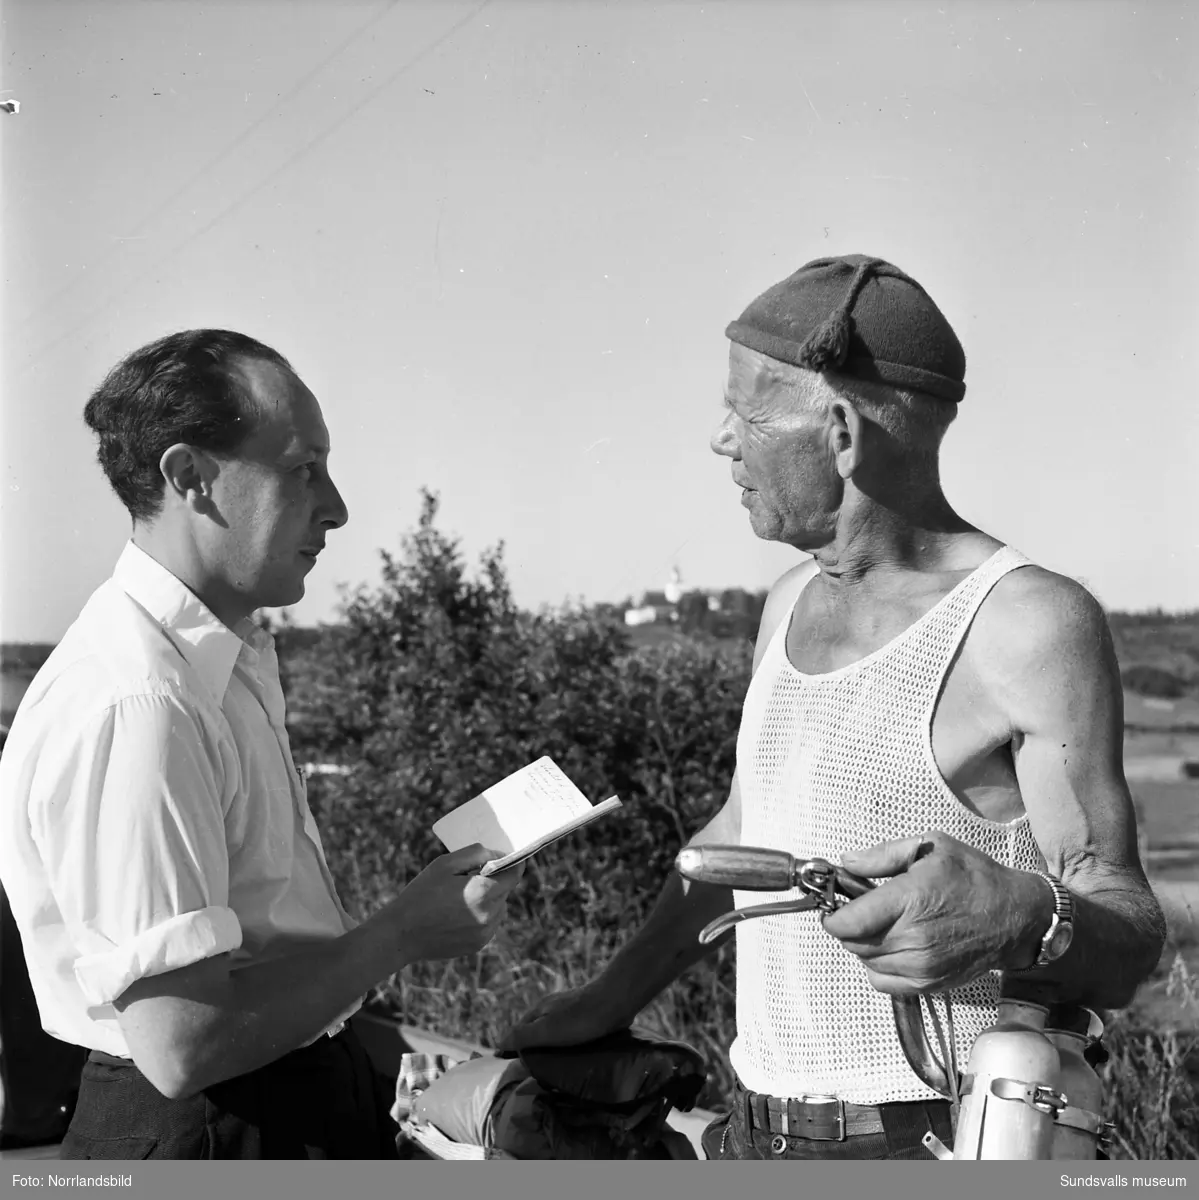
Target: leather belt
817, 1118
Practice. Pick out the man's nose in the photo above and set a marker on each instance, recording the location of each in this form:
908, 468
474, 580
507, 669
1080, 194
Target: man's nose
724, 440
333, 508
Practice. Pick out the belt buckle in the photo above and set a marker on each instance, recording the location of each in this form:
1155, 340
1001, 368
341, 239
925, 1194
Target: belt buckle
820, 1098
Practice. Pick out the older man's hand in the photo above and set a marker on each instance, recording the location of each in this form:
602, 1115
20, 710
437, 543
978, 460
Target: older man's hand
945, 914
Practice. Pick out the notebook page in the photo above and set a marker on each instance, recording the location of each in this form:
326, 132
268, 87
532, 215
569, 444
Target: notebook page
518, 810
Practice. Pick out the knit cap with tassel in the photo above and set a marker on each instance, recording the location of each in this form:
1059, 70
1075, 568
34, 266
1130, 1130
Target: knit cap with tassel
860, 317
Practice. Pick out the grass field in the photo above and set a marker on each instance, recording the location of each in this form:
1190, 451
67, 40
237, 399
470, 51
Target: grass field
1168, 820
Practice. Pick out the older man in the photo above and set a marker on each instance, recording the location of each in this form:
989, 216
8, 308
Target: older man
926, 705
156, 845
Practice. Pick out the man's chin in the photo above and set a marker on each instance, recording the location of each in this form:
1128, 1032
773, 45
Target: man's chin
765, 526
285, 595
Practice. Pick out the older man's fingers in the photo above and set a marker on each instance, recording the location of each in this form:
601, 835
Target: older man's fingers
887, 858
868, 917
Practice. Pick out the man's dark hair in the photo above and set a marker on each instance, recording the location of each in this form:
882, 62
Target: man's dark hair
182, 388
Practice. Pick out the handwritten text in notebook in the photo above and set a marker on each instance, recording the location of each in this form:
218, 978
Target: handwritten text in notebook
521, 814
535, 799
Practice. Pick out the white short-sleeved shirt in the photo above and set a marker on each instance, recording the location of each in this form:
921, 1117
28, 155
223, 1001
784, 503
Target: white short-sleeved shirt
150, 812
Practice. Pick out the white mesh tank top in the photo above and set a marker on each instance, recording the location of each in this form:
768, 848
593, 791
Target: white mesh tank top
826, 764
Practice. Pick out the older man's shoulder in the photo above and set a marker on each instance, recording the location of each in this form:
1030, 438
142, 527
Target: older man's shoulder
786, 588
1034, 616
1041, 650
781, 600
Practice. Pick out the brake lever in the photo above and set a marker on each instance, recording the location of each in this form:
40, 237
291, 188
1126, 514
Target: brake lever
724, 923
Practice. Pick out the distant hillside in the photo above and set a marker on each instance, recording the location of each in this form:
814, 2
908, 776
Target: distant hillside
19, 662
1158, 653
24, 656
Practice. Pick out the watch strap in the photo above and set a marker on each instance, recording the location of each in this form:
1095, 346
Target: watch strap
1063, 914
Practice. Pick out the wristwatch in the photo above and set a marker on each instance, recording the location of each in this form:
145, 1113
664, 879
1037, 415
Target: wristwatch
1060, 933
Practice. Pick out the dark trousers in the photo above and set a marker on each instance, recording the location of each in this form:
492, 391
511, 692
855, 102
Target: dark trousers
904, 1125
321, 1101
39, 1075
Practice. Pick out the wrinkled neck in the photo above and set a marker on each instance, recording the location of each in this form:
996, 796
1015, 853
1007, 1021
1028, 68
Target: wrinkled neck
871, 536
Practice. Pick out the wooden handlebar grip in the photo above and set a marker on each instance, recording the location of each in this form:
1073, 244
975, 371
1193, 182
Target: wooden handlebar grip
746, 868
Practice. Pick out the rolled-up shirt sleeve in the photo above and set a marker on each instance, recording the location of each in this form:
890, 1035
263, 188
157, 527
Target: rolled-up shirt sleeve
129, 820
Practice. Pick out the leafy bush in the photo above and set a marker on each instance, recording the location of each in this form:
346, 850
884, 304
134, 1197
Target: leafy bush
436, 685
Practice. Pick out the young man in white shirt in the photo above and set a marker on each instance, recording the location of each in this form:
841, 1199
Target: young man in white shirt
163, 867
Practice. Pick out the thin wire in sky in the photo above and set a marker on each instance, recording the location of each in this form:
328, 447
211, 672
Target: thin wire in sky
204, 171
42, 351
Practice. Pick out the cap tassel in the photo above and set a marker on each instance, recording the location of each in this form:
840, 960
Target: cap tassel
828, 344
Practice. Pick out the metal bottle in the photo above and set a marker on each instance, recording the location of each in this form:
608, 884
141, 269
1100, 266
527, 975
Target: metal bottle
1011, 1091
1079, 1125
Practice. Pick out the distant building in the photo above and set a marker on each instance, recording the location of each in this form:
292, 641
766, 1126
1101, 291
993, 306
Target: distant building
674, 589
660, 606
646, 615
728, 612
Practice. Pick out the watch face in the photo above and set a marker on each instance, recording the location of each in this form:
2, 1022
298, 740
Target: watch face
1059, 940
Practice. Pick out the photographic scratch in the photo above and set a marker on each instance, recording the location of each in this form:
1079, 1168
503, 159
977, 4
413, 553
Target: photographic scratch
1084, 103
599, 442
809, 100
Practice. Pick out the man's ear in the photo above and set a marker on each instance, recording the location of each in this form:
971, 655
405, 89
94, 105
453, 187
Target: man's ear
189, 474
846, 432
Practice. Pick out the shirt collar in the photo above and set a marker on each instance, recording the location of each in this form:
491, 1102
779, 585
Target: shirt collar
210, 647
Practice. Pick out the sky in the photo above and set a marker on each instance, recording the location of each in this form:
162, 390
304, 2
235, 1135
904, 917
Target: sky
501, 242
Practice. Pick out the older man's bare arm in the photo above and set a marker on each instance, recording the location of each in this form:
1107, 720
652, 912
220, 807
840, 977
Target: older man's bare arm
653, 958
1043, 653
1065, 700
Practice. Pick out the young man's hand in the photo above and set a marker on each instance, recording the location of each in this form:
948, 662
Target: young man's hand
449, 910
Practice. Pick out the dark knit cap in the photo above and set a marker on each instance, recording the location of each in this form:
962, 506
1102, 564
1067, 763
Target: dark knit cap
857, 316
